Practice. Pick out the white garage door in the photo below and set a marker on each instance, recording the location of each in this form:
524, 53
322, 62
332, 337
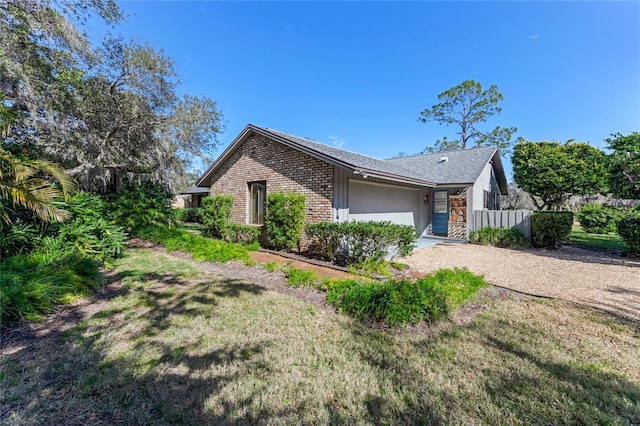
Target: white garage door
368, 201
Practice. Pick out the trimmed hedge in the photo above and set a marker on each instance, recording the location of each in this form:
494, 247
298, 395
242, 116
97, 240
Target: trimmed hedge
284, 220
216, 214
598, 218
243, 234
216, 218
629, 230
400, 302
550, 228
499, 237
349, 243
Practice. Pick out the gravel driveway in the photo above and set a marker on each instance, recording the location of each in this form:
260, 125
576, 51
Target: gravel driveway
601, 280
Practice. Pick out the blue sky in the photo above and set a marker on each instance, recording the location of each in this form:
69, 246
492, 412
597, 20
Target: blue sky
357, 74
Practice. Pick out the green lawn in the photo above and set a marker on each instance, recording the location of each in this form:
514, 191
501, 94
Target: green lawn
180, 346
610, 241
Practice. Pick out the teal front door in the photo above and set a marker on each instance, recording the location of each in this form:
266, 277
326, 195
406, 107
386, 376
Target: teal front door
440, 225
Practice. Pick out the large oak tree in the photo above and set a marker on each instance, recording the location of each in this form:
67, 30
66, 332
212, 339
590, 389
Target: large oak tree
97, 111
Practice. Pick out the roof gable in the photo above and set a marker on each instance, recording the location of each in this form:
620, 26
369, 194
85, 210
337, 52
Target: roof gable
461, 167
358, 163
456, 167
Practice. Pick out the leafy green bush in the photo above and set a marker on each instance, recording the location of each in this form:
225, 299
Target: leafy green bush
284, 220
499, 237
18, 237
202, 248
598, 218
35, 284
89, 231
216, 214
189, 215
141, 204
243, 234
216, 217
300, 277
629, 230
86, 230
349, 243
550, 228
400, 302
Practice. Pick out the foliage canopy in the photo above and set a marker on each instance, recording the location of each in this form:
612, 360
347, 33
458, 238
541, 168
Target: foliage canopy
551, 171
467, 105
624, 165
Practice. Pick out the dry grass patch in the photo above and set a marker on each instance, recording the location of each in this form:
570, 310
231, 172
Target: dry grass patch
180, 348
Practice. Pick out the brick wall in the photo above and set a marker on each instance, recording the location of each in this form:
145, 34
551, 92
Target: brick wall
284, 169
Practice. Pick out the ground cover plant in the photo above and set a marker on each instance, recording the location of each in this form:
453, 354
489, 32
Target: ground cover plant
37, 283
203, 248
183, 346
402, 301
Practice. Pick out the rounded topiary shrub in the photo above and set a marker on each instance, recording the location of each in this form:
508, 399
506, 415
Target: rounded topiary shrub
550, 228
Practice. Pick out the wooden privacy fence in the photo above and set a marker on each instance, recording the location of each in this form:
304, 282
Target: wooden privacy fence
518, 219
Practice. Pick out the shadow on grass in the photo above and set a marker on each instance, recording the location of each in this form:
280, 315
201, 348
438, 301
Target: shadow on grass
595, 396
71, 376
513, 386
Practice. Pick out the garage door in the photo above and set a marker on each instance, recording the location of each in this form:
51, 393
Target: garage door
368, 201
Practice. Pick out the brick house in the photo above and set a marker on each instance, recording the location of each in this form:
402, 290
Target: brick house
435, 193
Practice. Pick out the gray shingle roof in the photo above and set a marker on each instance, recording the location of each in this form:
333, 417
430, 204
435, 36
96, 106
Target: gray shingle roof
196, 190
462, 166
355, 160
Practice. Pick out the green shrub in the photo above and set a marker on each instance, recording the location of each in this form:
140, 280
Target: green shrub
499, 237
349, 243
140, 204
18, 237
629, 230
35, 284
189, 215
284, 220
550, 228
300, 277
202, 248
216, 214
400, 302
216, 217
89, 231
244, 234
598, 218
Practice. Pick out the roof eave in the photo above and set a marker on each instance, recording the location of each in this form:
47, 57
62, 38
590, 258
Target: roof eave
309, 151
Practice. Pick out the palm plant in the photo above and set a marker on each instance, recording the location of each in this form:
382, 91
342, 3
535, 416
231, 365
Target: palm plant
25, 182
